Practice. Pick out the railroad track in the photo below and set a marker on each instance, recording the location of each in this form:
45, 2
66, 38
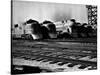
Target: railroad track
55, 56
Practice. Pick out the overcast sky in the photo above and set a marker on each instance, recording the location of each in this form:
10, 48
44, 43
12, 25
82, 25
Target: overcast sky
40, 11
